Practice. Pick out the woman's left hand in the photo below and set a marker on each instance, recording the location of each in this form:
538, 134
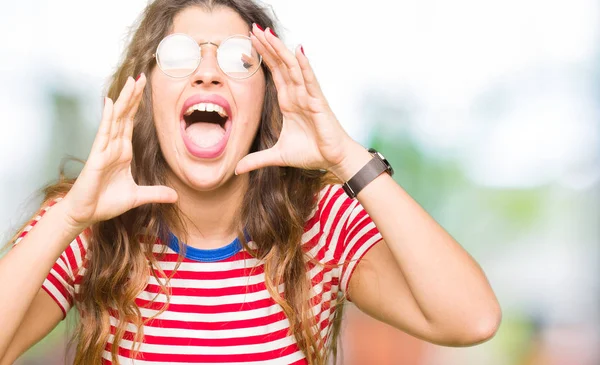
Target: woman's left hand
311, 136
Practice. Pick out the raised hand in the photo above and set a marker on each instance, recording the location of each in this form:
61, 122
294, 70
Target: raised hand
105, 188
311, 137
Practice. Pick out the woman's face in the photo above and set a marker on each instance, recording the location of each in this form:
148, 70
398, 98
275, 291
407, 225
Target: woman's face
203, 155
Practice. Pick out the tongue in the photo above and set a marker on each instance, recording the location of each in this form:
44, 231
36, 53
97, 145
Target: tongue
205, 134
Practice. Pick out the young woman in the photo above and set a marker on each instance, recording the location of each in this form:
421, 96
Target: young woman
224, 215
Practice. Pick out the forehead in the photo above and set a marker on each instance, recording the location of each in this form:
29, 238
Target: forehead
213, 25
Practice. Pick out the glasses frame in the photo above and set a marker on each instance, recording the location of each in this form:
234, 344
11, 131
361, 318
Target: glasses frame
155, 55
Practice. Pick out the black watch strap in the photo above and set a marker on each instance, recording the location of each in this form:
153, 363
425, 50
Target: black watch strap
364, 176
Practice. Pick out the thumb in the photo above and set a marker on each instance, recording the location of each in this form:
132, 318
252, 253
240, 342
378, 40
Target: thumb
155, 194
259, 159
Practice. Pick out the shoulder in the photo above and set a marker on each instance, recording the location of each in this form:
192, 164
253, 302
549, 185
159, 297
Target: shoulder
332, 211
339, 226
328, 192
333, 201
75, 252
33, 220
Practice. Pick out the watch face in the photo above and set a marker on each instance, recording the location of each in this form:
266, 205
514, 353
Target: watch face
378, 155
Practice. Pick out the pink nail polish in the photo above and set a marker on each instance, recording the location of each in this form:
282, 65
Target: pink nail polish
302, 50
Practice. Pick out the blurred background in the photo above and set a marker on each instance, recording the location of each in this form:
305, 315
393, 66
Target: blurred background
489, 112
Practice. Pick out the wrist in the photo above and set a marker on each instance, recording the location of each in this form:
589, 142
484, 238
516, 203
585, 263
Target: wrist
72, 225
355, 157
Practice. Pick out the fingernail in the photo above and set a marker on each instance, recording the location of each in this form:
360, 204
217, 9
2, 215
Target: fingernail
137, 78
272, 32
235, 172
302, 50
259, 27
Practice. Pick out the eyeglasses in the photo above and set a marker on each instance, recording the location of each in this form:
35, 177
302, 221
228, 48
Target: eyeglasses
178, 56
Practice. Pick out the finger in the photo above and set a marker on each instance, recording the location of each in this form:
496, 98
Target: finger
310, 80
268, 53
138, 90
103, 134
121, 105
257, 160
269, 56
280, 81
155, 194
287, 59
124, 97
127, 123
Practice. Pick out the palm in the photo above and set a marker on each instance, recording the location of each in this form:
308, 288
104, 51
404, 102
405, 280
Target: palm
306, 144
311, 136
106, 188
114, 186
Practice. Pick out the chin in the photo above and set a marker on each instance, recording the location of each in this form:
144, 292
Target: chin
203, 179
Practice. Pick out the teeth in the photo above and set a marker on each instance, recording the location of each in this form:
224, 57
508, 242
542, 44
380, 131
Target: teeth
207, 107
222, 112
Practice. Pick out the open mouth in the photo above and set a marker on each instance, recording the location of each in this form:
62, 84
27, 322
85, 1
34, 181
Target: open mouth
206, 124
205, 113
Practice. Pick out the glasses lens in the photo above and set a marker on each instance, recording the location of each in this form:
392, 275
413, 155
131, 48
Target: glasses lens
178, 55
237, 58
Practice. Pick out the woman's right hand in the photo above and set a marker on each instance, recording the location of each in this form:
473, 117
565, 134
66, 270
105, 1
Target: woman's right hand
105, 187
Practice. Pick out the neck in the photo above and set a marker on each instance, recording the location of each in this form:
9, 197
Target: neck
210, 218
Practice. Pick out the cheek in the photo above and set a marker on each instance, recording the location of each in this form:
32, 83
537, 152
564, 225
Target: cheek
163, 101
252, 98
159, 115
164, 122
160, 101
164, 94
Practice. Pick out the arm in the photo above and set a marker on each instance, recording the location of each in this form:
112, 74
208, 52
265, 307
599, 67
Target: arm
104, 189
429, 276
419, 279
32, 258
41, 317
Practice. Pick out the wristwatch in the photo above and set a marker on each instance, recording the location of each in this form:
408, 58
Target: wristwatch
367, 173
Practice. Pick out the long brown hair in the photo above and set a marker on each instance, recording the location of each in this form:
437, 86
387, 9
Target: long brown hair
274, 211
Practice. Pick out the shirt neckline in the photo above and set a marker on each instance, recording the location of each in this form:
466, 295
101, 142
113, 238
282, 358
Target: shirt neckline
207, 255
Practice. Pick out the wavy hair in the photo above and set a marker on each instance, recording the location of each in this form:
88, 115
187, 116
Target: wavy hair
275, 208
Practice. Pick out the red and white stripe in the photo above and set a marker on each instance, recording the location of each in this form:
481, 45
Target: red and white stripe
221, 312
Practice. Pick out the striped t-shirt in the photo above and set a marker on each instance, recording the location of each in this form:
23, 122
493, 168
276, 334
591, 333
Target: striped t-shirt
220, 310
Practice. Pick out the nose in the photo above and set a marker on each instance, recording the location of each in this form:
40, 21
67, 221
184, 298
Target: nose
208, 72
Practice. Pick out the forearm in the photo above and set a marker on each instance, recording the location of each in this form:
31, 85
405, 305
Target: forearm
24, 268
449, 287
